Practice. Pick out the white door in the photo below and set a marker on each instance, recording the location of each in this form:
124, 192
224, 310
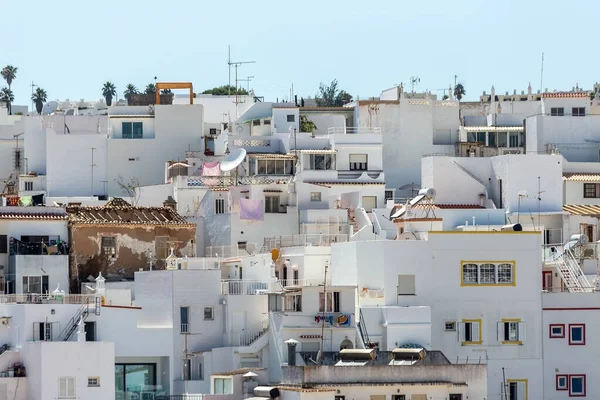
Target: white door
369, 203
239, 321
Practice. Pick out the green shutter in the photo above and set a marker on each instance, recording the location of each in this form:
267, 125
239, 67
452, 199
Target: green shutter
138, 131
127, 131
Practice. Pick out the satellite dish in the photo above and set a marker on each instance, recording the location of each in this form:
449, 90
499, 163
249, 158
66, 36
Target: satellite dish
49, 107
233, 160
70, 112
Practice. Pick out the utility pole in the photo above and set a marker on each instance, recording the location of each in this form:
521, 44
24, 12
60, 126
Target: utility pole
92, 167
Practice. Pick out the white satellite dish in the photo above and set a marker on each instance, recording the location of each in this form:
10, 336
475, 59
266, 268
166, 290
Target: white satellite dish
70, 111
49, 107
233, 160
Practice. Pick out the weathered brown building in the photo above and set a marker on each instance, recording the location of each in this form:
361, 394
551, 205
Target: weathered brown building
118, 239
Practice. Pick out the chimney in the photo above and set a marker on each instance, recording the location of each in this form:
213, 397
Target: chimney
291, 344
170, 203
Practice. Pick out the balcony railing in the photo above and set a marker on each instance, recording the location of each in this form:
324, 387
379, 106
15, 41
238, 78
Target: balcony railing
229, 251
277, 242
353, 130
242, 287
288, 283
34, 298
20, 248
242, 180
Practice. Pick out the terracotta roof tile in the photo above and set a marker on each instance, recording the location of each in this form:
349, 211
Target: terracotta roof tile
329, 184
565, 95
448, 206
33, 213
119, 212
581, 177
582, 209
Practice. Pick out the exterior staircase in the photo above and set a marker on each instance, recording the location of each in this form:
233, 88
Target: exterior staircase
71, 327
252, 340
571, 274
362, 330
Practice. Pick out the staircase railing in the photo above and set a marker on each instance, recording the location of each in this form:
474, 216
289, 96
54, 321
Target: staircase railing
247, 337
362, 328
71, 326
571, 273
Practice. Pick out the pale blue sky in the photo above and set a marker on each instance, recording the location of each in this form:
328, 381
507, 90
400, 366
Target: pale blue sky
71, 47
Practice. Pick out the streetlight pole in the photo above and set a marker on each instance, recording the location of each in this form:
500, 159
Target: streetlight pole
186, 360
92, 167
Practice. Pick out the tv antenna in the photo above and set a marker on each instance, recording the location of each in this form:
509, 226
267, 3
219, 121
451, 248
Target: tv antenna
247, 79
414, 81
236, 64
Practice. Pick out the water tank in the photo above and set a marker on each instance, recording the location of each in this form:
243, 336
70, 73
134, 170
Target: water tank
429, 193
512, 227
266, 391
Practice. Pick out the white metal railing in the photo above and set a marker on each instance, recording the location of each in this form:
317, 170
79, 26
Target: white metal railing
353, 130
276, 242
249, 336
184, 328
287, 283
33, 298
229, 251
569, 270
243, 287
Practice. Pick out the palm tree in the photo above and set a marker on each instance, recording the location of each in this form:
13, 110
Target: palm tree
459, 91
166, 91
7, 96
108, 91
150, 88
39, 98
129, 90
9, 73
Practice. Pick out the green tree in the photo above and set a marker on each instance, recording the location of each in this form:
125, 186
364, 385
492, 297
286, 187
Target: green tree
459, 91
7, 96
9, 73
226, 90
306, 125
129, 90
166, 91
39, 97
108, 91
150, 88
331, 96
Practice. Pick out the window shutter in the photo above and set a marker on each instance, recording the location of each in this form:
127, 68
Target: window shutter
475, 331
62, 387
521, 390
500, 331
71, 387
460, 331
522, 331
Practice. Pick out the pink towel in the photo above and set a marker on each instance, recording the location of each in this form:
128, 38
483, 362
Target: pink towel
211, 169
253, 210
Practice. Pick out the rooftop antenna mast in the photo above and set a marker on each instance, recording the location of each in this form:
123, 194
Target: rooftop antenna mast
414, 81
542, 75
236, 65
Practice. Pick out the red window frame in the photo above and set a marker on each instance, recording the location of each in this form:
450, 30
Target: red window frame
551, 336
584, 385
571, 343
558, 388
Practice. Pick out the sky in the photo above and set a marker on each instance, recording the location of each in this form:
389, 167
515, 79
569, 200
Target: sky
70, 48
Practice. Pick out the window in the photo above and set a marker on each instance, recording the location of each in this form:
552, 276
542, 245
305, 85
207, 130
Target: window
511, 331
578, 112
450, 326
470, 331
208, 314
320, 162
35, 284
358, 162
184, 314
517, 389
389, 195
557, 331
577, 385
66, 388
272, 204
329, 302
293, 303
256, 122
487, 273
557, 111
129, 377
3, 244
397, 397
275, 167
577, 334
406, 285
222, 386
109, 246
132, 130
267, 122
93, 381
28, 185
219, 206
562, 382
291, 118
591, 190
215, 131
315, 196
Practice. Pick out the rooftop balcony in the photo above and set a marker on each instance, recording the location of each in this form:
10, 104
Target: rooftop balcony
227, 181
51, 298
353, 130
222, 252
243, 287
277, 242
18, 247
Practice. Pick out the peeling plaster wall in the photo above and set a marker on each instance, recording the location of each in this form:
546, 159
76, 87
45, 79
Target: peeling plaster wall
134, 246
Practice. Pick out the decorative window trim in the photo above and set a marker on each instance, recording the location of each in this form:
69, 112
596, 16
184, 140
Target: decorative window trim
561, 336
520, 325
571, 394
571, 342
565, 386
477, 321
524, 381
497, 277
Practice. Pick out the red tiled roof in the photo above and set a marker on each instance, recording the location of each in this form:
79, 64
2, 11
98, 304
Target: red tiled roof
328, 184
581, 177
565, 94
448, 206
36, 213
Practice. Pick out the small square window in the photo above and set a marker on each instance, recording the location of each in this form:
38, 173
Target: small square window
256, 122
562, 382
315, 196
577, 334
577, 385
450, 326
291, 118
208, 314
557, 331
93, 381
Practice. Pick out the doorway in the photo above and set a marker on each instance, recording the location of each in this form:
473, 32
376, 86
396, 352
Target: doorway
90, 331
547, 281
